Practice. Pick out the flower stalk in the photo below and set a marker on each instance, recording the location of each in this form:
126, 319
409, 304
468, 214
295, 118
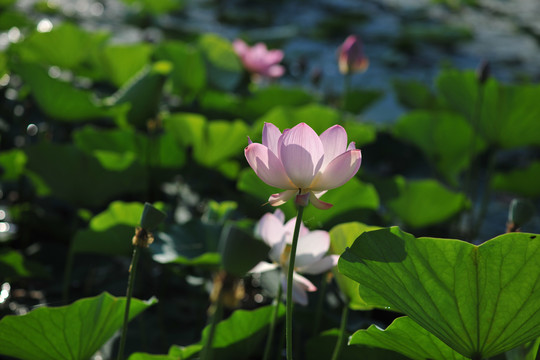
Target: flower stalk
342, 330
150, 219
290, 272
129, 293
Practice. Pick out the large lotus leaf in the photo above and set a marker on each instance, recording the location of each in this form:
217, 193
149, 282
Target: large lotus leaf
353, 196
521, 181
71, 332
508, 115
408, 338
445, 138
189, 73
65, 172
117, 149
222, 64
242, 334
322, 347
12, 163
425, 202
61, 101
479, 300
143, 93
66, 46
192, 243
121, 62
342, 237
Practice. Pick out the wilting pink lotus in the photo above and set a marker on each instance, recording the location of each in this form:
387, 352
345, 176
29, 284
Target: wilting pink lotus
303, 163
259, 60
310, 253
351, 56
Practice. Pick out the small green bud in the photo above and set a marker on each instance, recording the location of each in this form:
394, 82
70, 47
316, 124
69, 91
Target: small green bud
151, 217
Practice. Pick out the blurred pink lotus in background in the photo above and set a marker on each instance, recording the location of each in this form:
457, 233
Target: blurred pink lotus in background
302, 162
351, 56
258, 60
310, 253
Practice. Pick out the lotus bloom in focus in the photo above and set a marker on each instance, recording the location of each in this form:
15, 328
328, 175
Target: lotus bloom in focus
303, 163
259, 60
310, 253
351, 56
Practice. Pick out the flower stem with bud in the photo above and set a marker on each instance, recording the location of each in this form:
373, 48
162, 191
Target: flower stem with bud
141, 239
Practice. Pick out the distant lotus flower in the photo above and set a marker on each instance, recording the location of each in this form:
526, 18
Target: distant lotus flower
259, 60
351, 56
310, 253
303, 163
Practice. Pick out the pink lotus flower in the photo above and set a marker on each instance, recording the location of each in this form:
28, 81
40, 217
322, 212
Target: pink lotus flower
259, 60
310, 253
303, 163
351, 56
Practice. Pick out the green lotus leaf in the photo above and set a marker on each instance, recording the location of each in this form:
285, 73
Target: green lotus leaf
479, 300
408, 338
71, 332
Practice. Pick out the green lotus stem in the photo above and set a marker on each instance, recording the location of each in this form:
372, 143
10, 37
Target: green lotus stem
320, 303
206, 352
273, 321
131, 281
342, 328
288, 314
